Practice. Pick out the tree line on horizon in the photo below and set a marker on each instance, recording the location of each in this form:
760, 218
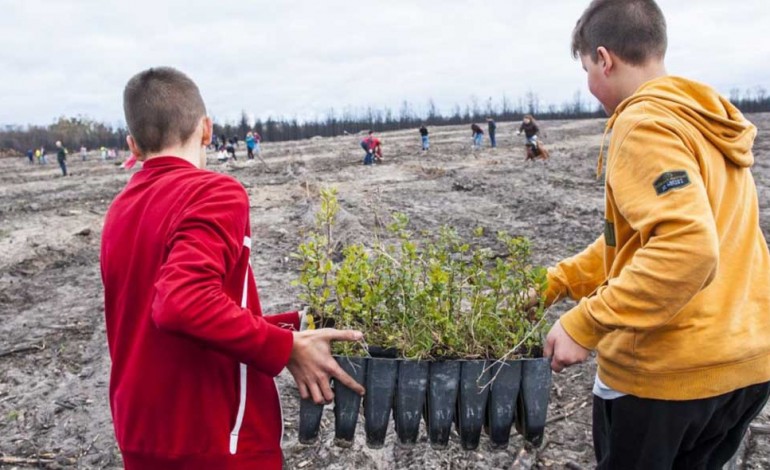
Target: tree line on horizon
79, 131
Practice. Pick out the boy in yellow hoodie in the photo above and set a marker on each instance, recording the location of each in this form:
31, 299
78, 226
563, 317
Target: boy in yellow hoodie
675, 294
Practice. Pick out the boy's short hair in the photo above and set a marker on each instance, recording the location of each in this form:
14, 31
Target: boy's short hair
634, 30
163, 107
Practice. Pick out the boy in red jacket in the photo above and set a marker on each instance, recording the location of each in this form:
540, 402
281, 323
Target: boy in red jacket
193, 358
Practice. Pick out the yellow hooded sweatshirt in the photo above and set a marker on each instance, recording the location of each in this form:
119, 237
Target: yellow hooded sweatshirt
675, 295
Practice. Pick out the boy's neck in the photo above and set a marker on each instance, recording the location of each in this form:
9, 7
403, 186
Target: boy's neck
635, 76
192, 154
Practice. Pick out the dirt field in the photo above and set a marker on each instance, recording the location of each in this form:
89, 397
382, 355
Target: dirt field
54, 364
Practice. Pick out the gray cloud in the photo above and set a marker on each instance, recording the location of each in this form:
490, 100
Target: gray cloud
301, 58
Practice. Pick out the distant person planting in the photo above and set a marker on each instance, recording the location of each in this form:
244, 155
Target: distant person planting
373, 148
424, 138
531, 130
477, 135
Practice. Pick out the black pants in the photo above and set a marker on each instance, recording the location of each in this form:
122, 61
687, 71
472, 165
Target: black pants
638, 433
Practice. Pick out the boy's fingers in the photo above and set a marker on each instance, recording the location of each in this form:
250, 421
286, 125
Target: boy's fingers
347, 381
331, 334
303, 390
327, 391
318, 397
548, 349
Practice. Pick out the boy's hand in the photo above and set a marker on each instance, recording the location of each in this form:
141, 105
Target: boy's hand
562, 349
312, 365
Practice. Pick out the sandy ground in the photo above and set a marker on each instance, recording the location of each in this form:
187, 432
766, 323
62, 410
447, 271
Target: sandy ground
54, 364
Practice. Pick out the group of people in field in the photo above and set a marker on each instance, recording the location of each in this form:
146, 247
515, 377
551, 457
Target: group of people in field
40, 156
226, 147
477, 134
673, 296
373, 146
528, 126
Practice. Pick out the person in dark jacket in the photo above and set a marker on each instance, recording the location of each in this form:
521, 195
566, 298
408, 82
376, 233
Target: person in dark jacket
232, 143
61, 157
424, 137
491, 127
530, 130
478, 135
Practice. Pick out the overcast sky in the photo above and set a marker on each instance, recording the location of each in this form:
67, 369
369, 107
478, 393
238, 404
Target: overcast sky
300, 58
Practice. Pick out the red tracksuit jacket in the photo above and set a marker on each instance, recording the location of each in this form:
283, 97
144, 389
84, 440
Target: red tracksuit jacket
193, 359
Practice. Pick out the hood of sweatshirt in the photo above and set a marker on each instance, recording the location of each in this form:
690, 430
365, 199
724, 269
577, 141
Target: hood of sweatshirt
718, 120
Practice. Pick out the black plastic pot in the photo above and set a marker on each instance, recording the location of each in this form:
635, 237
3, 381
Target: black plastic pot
411, 390
388, 353
472, 405
533, 398
380, 390
501, 406
444, 378
346, 401
309, 420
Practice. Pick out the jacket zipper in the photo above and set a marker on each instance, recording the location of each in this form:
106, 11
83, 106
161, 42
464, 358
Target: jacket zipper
280, 408
242, 398
241, 410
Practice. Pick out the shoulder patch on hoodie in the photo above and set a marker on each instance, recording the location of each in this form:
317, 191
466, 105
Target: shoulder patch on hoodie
671, 180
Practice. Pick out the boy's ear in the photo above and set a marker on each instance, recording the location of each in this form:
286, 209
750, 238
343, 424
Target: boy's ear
133, 147
604, 59
208, 130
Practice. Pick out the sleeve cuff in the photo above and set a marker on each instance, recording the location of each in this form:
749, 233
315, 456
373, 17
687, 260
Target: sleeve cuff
287, 321
555, 289
582, 328
273, 359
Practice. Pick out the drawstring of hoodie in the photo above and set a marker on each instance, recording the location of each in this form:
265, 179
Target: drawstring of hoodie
600, 163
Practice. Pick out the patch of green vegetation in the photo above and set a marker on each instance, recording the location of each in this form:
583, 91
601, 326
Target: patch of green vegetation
434, 296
